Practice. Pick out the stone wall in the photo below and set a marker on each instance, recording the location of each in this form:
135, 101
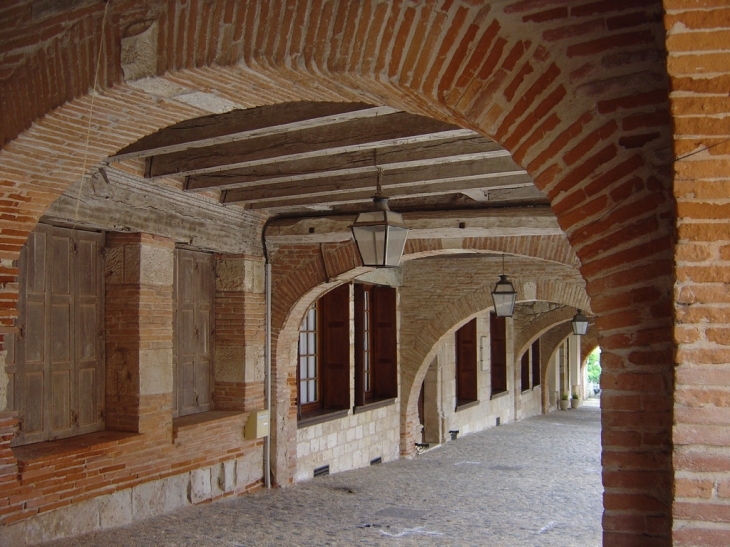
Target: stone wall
350, 442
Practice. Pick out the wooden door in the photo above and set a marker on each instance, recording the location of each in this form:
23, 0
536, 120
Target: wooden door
194, 294
58, 355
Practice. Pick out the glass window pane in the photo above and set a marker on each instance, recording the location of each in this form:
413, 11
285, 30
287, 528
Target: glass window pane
312, 391
303, 392
312, 367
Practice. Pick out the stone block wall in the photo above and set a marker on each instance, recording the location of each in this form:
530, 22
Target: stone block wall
350, 442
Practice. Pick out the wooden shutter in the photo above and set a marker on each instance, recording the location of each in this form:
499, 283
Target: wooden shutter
466, 363
525, 371
192, 367
385, 342
498, 339
335, 348
359, 341
59, 353
536, 362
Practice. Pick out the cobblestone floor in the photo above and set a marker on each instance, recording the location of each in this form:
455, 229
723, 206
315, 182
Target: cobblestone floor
534, 483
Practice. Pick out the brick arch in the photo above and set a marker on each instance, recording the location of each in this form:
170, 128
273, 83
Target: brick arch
577, 93
544, 323
554, 248
549, 344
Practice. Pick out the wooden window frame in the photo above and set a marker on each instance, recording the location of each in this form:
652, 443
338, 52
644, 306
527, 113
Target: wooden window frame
376, 344
498, 348
333, 358
467, 392
308, 353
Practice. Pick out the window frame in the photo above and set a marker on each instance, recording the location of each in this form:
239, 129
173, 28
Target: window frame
376, 341
333, 357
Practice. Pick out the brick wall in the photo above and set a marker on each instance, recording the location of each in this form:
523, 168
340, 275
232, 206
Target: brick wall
700, 72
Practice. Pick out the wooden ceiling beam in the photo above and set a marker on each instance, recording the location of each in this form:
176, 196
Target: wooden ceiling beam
245, 124
394, 182
346, 163
516, 222
352, 135
515, 179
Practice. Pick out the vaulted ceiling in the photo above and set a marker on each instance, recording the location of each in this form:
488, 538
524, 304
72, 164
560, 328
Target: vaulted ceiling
299, 158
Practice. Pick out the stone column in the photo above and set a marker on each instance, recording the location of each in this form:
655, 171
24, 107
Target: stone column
574, 360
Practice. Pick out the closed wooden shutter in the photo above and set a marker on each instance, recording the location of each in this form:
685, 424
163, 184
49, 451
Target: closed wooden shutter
466, 363
385, 343
536, 362
58, 355
498, 340
192, 362
525, 371
335, 348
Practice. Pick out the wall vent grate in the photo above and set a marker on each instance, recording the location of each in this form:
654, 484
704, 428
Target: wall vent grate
376, 461
324, 470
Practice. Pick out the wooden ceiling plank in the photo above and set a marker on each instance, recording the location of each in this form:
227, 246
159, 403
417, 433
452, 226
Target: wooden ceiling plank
241, 124
502, 180
378, 131
394, 181
299, 169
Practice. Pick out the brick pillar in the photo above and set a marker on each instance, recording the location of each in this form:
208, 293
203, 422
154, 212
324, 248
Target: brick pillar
239, 333
139, 304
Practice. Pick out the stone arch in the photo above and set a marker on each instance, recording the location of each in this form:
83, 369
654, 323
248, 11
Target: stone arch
593, 139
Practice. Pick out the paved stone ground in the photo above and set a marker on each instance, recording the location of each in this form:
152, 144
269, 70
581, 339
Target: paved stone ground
534, 483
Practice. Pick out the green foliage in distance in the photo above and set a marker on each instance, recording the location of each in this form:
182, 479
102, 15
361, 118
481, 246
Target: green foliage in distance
594, 366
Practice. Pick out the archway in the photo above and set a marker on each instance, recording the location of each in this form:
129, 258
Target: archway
589, 137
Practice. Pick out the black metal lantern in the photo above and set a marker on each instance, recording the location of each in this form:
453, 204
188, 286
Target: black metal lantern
504, 296
579, 323
380, 234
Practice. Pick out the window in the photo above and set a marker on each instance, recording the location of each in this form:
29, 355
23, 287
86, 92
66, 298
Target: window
192, 360
525, 371
56, 362
498, 339
376, 344
308, 376
466, 364
324, 355
536, 363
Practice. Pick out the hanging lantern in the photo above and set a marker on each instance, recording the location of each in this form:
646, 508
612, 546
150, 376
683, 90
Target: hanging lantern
504, 296
579, 323
380, 234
